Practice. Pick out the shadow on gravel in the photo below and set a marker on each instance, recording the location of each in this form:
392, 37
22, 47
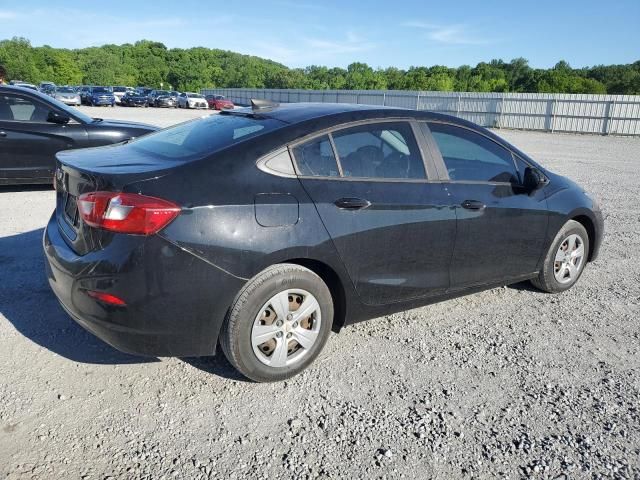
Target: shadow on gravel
29, 304
217, 365
524, 286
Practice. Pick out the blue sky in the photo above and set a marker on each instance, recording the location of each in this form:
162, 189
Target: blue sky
336, 33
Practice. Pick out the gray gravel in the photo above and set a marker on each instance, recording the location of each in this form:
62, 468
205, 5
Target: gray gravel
506, 383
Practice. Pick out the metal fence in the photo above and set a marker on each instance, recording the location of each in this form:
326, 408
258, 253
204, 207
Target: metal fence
600, 114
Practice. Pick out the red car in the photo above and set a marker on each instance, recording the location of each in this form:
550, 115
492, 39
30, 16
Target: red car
218, 102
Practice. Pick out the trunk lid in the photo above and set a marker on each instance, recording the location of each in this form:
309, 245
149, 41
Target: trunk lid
110, 168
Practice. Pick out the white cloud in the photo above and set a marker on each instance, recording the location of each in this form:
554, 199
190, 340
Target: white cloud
7, 15
448, 34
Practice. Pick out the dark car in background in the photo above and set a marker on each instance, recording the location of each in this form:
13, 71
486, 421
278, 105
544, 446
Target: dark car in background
165, 100
48, 88
263, 229
100, 97
219, 102
34, 127
134, 99
119, 92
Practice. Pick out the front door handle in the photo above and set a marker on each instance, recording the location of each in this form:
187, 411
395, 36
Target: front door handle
3, 134
473, 205
352, 203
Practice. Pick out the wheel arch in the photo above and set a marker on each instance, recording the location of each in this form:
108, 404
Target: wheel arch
333, 281
590, 227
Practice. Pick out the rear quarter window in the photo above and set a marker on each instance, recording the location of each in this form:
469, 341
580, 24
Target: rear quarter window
198, 138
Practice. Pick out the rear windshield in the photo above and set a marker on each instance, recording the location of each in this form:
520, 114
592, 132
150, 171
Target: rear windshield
198, 138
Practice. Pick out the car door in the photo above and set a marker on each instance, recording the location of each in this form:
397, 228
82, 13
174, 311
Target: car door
391, 225
28, 142
501, 227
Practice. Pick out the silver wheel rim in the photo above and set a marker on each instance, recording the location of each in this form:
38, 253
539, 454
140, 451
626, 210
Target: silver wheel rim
569, 259
286, 328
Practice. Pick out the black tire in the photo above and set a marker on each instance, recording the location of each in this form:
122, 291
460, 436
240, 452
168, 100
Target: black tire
235, 337
546, 279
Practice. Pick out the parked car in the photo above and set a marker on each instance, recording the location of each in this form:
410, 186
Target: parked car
218, 102
134, 99
156, 93
34, 127
48, 88
67, 95
101, 96
191, 100
300, 219
84, 92
144, 90
165, 100
119, 92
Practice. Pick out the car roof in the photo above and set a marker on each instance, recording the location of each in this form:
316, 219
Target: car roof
328, 113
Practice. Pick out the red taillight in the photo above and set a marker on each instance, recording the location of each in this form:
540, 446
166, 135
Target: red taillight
126, 212
106, 298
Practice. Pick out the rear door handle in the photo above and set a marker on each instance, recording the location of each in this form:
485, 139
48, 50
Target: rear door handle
351, 203
473, 205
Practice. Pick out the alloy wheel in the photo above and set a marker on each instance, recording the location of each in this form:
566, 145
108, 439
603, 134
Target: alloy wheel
569, 259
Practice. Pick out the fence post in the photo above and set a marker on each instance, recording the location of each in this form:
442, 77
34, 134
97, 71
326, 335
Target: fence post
458, 106
606, 126
384, 98
549, 123
418, 102
500, 104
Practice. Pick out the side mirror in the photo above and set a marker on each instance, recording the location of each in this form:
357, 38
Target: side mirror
534, 179
59, 118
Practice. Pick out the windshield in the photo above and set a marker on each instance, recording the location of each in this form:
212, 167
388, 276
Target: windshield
219, 97
161, 92
201, 137
119, 89
65, 90
101, 90
194, 95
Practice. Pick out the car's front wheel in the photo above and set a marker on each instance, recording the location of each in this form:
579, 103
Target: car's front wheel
278, 323
565, 259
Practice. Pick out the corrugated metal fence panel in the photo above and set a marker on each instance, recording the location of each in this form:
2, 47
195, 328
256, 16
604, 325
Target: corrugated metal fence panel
600, 114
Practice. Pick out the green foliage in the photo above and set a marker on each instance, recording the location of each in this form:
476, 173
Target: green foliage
151, 64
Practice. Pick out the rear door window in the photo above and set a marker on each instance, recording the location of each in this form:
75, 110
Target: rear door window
385, 150
470, 156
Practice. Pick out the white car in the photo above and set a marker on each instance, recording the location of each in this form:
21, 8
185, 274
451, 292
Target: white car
120, 92
192, 100
67, 95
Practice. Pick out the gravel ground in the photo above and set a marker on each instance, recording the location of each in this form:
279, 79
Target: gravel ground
506, 383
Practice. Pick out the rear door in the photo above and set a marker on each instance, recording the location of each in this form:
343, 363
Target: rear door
391, 225
501, 227
28, 143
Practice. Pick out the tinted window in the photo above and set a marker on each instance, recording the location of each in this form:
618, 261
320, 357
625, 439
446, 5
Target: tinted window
471, 156
13, 107
315, 158
382, 150
199, 138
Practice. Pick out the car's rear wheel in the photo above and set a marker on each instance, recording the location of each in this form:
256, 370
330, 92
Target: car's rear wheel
565, 260
278, 323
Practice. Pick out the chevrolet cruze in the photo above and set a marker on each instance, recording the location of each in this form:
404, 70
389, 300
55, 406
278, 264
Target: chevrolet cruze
263, 229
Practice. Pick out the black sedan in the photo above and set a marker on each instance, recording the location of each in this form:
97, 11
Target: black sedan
263, 229
34, 127
134, 99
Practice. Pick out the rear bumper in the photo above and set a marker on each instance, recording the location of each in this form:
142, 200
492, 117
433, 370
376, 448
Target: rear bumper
175, 302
